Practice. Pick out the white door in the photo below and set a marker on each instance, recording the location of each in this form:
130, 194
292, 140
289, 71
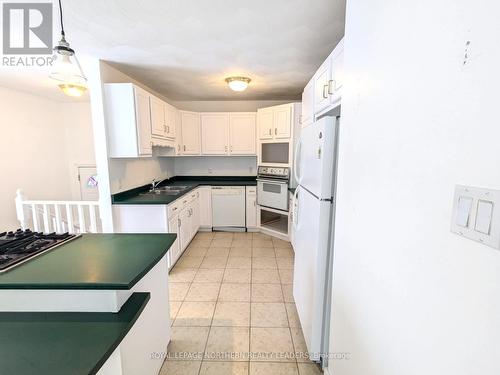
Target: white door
157, 116
310, 242
321, 82
242, 134
215, 133
205, 206
170, 121
190, 128
89, 188
143, 121
251, 209
175, 249
282, 122
265, 123
307, 116
316, 155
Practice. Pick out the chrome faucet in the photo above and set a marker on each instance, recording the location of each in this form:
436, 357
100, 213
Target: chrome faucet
155, 183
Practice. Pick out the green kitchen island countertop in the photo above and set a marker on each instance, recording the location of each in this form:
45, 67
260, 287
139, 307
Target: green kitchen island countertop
92, 261
62, 343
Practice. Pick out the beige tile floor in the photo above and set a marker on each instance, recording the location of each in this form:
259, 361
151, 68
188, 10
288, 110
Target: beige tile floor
232, 309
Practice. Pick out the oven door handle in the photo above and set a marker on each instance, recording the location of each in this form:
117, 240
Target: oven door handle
269, 180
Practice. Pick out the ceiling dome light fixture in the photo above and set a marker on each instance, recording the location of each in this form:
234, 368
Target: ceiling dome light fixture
238, 83
67, 70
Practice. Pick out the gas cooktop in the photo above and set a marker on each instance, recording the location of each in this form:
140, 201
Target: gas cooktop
20, 246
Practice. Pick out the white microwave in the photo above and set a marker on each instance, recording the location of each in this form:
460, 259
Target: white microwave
276, 153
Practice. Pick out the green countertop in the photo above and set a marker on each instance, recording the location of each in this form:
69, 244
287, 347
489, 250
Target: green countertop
60, 343
136, 196
92, 261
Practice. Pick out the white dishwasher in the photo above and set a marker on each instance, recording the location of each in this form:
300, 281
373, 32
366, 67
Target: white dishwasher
228, 207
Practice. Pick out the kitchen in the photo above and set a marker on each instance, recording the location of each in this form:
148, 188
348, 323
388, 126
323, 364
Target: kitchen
249, 196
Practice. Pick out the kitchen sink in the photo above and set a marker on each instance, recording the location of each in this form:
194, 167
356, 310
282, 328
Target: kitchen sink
166, 190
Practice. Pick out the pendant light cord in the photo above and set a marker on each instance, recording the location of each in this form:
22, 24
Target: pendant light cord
61, 16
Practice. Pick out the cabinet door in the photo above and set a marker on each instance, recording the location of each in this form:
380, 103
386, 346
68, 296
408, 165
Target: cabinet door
184, 228
282, 122
170, 121
143, 120
321, 83
178, 133
190, 128
242, 134
265, 123
205, 206
335, 87
157, 116
215, 133
307, 116
251, 208
195, 216
175, 249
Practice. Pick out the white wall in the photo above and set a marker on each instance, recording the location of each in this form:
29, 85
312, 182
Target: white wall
42, 140
418, 117
216, 166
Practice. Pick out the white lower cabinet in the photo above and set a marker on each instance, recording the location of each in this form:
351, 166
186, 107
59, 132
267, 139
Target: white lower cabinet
251, 207
175, 250
205, 193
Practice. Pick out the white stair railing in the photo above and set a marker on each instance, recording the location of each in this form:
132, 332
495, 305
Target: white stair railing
58, 216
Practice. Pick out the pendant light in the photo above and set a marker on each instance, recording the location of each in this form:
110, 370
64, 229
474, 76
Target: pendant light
238, 83
66, 68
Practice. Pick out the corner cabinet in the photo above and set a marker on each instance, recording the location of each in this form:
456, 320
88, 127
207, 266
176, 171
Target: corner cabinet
275, 123
190, 133
128, 120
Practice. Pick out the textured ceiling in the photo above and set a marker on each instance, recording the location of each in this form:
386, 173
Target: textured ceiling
185, 49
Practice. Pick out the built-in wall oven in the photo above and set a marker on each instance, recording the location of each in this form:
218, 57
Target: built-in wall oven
272, 187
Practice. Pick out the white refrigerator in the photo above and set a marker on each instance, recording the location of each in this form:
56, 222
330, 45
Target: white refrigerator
313, 219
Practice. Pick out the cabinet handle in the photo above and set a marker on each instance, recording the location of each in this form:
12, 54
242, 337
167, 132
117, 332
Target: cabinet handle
165, 128
179, 222
168, 129
174, 209
270, 131
275, 131
231, 148
325, 91
254, 203
225, 148
184, 147
330, 84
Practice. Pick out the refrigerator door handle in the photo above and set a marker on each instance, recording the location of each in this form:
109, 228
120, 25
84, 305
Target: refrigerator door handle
296, 161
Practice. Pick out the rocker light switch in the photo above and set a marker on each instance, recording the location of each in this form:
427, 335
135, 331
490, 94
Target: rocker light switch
463, 211
483, 216
476, 215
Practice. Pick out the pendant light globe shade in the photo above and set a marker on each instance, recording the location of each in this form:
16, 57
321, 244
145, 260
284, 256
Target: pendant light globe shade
238, 83
67, 71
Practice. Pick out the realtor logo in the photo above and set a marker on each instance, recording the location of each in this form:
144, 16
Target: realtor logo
27, 28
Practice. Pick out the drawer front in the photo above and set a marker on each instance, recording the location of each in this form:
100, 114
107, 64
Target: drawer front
173, 208
252, 190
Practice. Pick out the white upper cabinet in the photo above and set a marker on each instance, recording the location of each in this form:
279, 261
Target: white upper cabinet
242, 137
307, 117
282, 119
191, 133
337, 67
275, 123
128, 120
158, 127
215, 133
321, 84
328, 82
170, 121
265, 121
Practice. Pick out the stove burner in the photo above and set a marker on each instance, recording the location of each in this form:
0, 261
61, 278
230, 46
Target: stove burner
19, 246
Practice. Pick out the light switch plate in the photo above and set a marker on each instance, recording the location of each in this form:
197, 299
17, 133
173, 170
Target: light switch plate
476, 214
